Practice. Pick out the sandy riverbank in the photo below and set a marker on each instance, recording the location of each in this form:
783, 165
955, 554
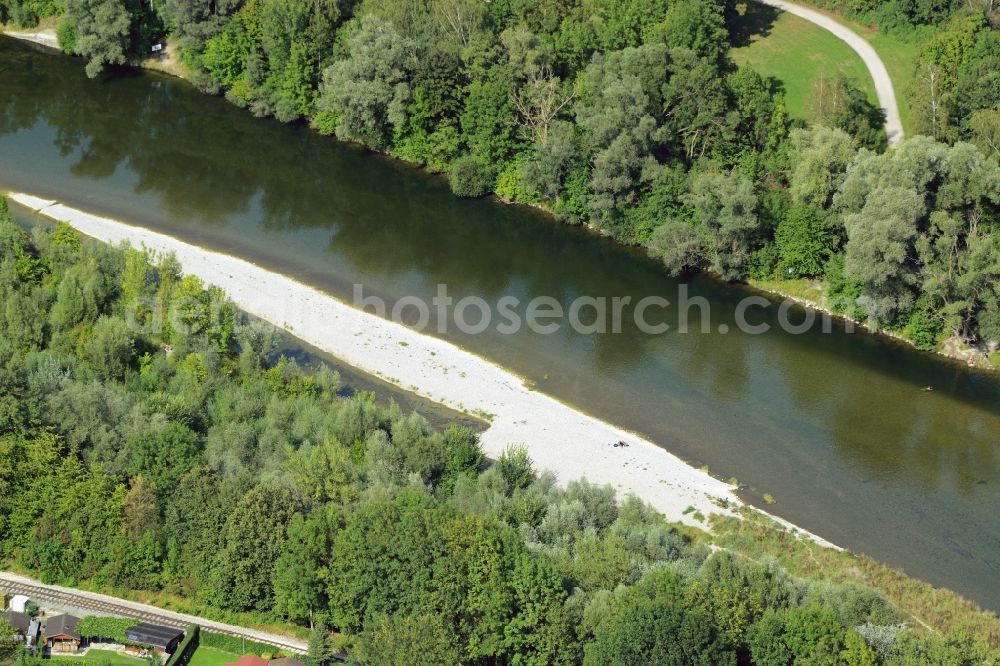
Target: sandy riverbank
44, 36
166, 62
559, 438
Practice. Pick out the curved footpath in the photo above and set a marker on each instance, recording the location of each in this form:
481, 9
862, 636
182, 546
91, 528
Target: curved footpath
559, 438
67, 598
880, 75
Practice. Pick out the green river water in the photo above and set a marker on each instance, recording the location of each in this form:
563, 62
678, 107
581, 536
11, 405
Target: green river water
834, 425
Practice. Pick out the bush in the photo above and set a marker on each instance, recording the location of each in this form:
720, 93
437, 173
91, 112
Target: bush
471, 176
842, 292
802, 242
515, 468
23, 16
66, 33
93, 626
510, 186
764, 262
922, 331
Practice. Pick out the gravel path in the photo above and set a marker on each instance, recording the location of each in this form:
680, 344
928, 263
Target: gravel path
883, 84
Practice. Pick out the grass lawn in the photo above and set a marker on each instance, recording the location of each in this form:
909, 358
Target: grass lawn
103, 656
898, 55
208, 656
804, 289
795, 52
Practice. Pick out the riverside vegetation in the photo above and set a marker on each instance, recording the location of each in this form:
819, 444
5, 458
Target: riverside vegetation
150, 441
629, 116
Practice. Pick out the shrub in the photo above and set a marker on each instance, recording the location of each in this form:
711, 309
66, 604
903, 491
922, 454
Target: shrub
572, 205
515, 467
471, 176
764, 262
922, 330
66, 33
233, 644
843, 292
510, 187
802, 242
23, 16
93, 626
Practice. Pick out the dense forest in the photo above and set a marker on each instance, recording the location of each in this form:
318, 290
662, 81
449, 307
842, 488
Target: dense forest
629, 116
150, 440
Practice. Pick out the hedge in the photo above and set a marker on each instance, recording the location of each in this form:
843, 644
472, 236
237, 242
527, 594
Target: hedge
182, 655
94, 626
235, 644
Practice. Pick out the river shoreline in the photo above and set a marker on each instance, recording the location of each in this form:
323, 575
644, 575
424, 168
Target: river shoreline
952, 349
43, 37
558, 438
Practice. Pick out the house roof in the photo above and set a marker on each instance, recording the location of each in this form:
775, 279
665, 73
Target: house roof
249, 660
62, 625
20, 621
153, 634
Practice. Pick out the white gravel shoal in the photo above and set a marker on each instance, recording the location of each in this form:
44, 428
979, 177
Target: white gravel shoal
559, 438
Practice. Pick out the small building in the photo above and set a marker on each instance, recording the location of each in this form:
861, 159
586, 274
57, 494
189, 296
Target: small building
61, 636
18, 603
26, 628
160, 638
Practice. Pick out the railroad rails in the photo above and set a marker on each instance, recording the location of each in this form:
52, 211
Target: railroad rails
100, 604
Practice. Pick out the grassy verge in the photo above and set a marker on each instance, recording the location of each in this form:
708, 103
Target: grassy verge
757, 537
802, 289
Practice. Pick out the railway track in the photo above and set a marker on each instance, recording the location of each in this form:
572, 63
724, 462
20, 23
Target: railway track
101, 604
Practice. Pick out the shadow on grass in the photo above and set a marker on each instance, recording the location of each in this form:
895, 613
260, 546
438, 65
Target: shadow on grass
757, 19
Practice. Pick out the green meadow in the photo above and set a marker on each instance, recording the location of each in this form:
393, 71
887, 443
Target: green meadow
796, 52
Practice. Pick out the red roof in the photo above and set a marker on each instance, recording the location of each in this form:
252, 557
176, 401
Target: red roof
249, 660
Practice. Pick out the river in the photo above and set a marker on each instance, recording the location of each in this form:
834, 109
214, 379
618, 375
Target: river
834, 425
